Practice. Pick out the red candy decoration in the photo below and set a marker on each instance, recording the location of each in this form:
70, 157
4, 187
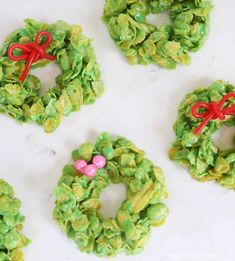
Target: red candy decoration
31, 52
214, 111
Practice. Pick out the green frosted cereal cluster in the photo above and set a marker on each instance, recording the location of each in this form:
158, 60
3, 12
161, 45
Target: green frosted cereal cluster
11, 223
77, 199
79, 82
167, 46
199, 153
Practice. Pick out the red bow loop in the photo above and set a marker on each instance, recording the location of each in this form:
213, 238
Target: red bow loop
31, 52
213, 111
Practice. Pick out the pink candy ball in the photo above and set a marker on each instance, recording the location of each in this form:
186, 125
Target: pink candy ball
80, 164
99, 161
90, 170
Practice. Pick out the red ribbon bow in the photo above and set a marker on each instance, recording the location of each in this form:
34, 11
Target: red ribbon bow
214, 111
31, 52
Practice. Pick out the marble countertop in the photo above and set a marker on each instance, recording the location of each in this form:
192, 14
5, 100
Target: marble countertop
140, 103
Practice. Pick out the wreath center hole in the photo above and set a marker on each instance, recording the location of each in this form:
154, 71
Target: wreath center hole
111, 199
159, 19
47, 76
224, 138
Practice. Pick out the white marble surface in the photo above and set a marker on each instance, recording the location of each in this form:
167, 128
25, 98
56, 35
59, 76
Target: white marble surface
139, 103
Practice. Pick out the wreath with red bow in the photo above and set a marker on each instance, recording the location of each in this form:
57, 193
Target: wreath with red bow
35, 45
202, 113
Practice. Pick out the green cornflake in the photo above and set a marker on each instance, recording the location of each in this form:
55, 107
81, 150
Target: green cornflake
11, 223
79, 82
77, 199
199, 153
167, 46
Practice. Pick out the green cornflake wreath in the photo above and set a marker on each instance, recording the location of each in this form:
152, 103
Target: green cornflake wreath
77, 199
79, 82
144, 43
199, 153
11, 223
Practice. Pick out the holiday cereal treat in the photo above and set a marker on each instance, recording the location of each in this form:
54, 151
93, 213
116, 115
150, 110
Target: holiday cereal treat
11, 223
168, 45
36, 45
110, 160
202, 113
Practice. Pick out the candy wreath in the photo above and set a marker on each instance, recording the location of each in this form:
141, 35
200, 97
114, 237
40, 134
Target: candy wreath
202, 113
110, 160
167, 46
35, 45
11, 223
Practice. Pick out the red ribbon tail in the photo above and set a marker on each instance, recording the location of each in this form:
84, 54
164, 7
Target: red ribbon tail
27, 67
50, 57
201, 126
24, 74
198, 130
